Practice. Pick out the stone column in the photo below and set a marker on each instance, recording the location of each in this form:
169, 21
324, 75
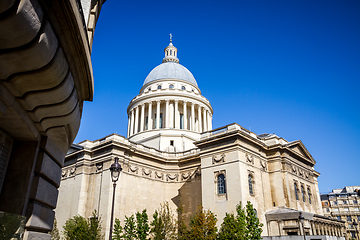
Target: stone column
192, 127
209, 121
142, 117
167, 123
150, 116
129, 123
157, 114
136, 128
132, 122
176, 114
199, 119
184, 115
205, 120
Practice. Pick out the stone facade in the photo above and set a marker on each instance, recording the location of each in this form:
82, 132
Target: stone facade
45, 76
343, 204
172, 154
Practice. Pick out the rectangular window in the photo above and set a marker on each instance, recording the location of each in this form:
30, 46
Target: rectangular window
171, 142
181, 121
146, 123
358, 217
335, 202
346, 209
355, 201
326, 203
335, 210
348, 218
338, 218
296, 191
161, 121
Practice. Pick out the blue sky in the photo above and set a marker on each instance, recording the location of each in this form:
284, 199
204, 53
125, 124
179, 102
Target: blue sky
286, 67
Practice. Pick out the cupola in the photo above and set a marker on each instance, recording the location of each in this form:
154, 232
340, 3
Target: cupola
170, 53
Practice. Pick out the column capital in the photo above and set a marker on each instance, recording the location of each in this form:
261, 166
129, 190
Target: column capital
158, 101
185, 102
167, 100
176, 100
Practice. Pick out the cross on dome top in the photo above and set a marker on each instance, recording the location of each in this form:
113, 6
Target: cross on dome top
170, 52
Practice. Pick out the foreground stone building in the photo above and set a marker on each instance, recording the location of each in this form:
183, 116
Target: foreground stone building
45, 76
172, 154
343, 204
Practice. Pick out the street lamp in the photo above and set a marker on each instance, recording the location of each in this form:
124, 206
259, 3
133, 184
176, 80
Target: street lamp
355, 226
115, 170
301, 219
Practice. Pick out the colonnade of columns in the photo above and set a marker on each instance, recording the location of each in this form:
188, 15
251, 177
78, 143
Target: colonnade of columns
176, 115
321, 228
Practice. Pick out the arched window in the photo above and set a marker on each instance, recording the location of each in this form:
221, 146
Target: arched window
159, 87
171, 86
309, 194
221, 184
303, 193
255, 211
251, 184
296, 191
183, 88
170, 52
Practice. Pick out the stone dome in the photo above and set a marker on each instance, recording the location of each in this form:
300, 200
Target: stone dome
170, 70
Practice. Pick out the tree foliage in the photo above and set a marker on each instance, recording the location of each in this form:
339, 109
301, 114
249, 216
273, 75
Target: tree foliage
163, 224
253, 226
55, 234
142, 225
182, 232
79, 227
136, 227
203, 225
118, 230
244, 226
11, 226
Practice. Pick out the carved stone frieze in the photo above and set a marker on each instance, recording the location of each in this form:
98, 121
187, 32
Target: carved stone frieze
249, 158
263, 164
72, 171
146, 172
64, 173
175, 177
99, 167
186, 176
218, 158
159, 175
134, 169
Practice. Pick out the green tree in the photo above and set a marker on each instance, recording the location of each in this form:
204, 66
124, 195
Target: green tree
233, 227
182, 232
118, 230
55, 234
142, 225
203, 225
129, 228
163, 224
79, 227
253, 226
11, 226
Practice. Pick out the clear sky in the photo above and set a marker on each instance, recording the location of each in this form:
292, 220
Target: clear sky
286, 67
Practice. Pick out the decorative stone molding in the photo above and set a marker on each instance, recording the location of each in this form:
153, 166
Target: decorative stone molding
293, 168
146, 172
186, 176
263, 164
64, 173
72, 171
218, 158
172, 178
159, 175
249, 158
133, 169
99, 166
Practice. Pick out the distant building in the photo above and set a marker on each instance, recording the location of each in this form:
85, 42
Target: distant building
343, 204
172, 154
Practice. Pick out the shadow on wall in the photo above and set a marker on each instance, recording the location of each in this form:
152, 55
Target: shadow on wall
189, 195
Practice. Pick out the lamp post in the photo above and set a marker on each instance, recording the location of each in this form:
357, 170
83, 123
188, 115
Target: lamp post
355, 226
115, 170
301, 219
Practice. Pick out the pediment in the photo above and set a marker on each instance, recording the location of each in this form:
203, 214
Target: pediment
299, 148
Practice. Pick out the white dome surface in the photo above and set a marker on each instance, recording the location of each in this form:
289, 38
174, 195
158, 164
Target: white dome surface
170, 70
